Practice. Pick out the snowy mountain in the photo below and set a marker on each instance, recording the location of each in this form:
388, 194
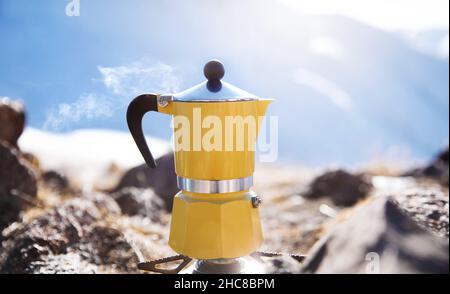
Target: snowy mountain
434, 42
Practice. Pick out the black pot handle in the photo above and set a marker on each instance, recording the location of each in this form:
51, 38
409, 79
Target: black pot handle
135, 112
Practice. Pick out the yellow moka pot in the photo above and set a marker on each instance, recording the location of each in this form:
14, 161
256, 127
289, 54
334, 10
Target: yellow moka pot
215, 215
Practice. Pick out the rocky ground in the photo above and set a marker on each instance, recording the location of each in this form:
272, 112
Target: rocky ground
345, 222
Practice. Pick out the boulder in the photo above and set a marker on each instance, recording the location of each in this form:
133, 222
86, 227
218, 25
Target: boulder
143, 202
10, 208
106, 246
342, 187
428, 208
283, 264
161, 179
79, 229
69, 263
18, 186
437, 169
379, 237
12, 120
56, 180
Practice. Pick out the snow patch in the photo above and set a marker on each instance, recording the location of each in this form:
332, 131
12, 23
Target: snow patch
86, 154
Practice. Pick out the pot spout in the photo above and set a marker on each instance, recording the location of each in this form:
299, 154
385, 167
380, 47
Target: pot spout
262, 106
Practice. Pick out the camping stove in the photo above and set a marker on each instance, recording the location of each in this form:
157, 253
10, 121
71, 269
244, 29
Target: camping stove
252, 264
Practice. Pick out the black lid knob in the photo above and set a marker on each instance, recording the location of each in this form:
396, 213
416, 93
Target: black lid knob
214, 70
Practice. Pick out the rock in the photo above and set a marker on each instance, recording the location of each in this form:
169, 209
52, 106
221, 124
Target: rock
56, 180
10, 208
161, 179
378, 238
15, 173
136, 201
69, 263
444, 156
297, 222
81, 226
283, 264
438, 169
18, 186
344, 188
428, 208
103, 245
12, 120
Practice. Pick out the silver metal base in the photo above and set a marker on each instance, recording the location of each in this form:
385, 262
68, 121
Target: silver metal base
212, 187
242, 265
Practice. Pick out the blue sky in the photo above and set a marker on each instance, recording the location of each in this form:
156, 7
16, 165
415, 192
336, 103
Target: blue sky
48, 58
80, 72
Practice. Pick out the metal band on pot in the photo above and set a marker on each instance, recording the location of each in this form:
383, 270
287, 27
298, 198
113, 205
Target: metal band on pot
213, 187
